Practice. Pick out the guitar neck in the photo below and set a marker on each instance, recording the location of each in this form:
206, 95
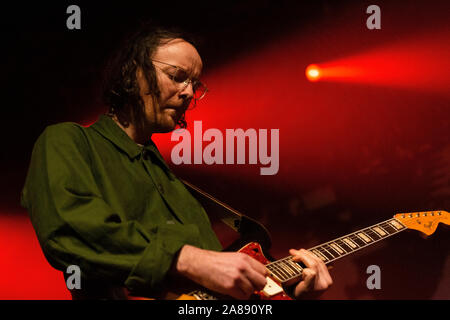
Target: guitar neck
286, 270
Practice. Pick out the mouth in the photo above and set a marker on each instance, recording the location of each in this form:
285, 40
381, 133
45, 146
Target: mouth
173, 110
178, 109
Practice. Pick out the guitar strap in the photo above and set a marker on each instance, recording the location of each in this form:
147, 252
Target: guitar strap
249, 229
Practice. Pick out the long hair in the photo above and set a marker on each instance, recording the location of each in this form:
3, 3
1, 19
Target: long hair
121, 92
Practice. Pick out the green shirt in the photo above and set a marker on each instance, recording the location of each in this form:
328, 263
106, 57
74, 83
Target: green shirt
100, 201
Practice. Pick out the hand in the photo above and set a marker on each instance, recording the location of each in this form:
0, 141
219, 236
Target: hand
231, 273
315, 277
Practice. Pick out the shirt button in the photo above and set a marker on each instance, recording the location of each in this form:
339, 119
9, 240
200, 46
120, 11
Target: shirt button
160, 188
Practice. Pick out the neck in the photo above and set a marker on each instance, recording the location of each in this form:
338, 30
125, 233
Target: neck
136, 135
286, 270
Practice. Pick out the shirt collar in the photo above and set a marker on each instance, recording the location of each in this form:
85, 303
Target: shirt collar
109, 129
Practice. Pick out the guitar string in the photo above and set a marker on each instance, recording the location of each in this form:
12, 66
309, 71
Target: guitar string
286, 268
352, 236
278, 264
396, 231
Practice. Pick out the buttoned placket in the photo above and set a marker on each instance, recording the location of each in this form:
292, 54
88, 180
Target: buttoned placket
145, 160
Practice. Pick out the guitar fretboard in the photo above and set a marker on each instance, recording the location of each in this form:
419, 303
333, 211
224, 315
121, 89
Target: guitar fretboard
286, 270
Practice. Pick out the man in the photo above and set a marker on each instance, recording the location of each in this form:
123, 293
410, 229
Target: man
103, 198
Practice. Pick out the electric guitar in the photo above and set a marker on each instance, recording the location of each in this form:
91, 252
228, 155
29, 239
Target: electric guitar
285, 271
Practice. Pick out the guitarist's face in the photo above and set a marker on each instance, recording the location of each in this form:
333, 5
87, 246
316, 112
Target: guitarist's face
176, 63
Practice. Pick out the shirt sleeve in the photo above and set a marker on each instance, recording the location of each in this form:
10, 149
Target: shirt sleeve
75, 226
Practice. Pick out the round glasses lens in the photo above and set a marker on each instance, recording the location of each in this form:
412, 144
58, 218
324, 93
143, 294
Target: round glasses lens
199, 90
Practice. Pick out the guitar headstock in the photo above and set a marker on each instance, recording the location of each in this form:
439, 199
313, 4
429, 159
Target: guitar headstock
425, 221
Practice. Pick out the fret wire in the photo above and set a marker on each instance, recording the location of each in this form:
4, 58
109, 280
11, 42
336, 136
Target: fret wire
325, 253
331, 251
283, 278
335, 251
349, 237
398, 222
368, 235
356, 249
357, 236
273, 263
296, 272
278, 275
272, 266
289, 268
281, 271
395, 219
387, 230
372, 234
278, 272
352, 238
388, 223
358, 239
387, 227
344, 245
281, 266
372, 229
296, 265
374, 241
320, 254
367, 232
383, 228
337, 248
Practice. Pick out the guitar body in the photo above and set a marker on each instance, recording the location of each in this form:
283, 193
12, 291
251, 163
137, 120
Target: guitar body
254, 250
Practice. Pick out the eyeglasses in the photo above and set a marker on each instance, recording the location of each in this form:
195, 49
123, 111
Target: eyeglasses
182, 79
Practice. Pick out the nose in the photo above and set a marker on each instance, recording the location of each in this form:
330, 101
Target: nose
188, 91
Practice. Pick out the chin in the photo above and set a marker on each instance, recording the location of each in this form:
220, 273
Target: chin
167, 127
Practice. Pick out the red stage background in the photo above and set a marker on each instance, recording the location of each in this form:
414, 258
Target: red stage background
368, 140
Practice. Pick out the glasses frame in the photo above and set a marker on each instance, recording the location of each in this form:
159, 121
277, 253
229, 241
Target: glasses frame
185, 82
